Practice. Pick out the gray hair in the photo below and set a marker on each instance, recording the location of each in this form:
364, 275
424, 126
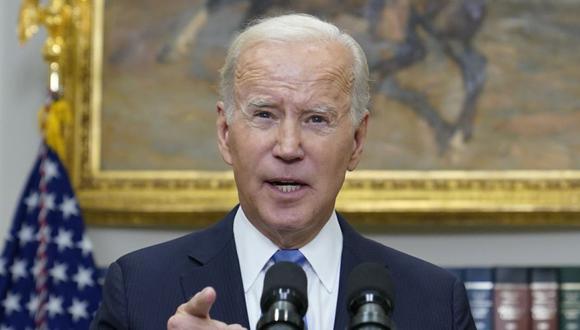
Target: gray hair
296, 27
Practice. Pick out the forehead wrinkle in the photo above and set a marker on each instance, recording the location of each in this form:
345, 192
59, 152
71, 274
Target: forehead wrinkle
249, 73
256, 69
338, 75
258, 72
341, 79
310, 100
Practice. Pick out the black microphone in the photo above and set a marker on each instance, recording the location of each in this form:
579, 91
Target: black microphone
284, 298
370, 297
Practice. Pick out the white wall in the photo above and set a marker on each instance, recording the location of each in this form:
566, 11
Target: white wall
22, 90
21, 94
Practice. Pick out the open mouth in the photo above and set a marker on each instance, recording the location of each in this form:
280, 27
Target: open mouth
286, 186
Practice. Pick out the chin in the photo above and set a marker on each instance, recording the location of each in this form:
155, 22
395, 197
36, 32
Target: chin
283, 217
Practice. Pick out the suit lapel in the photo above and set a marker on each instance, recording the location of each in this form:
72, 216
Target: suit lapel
214, 262
347, 263
354, 252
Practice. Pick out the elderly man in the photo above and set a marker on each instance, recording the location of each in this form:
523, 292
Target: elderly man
292, 121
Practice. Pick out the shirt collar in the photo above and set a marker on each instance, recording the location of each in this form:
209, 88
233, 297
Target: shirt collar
324, 253
255, 250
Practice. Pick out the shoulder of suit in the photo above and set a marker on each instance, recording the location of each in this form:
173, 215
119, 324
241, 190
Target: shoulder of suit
180, 248
401, 262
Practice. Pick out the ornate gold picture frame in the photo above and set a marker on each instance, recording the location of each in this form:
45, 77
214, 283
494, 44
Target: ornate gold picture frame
451, 196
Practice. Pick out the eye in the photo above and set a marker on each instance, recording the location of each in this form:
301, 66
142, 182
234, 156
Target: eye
317, 119
263, 114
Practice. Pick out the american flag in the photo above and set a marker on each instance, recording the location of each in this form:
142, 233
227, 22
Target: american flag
48, 279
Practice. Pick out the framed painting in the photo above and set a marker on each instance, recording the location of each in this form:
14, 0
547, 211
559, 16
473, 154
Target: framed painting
475, 114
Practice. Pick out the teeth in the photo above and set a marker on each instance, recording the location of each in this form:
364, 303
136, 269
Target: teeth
286, 188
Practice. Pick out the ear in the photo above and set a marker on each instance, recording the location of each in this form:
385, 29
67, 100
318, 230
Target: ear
360, 136
223, 133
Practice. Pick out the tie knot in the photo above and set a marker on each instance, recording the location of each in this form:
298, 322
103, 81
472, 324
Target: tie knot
291, 255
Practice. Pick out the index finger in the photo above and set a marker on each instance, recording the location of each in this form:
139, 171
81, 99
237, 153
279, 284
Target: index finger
200, 304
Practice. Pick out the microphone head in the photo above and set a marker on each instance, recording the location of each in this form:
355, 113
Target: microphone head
370, 281
285, 281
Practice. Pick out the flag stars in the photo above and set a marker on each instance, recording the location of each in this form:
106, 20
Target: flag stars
49, 169
58, 273
26, 235
85, 245
60, 265
33, 304
54, 306
78, 310
18, 269
31, 201
84, 277
64, 239
11, 303
68, 207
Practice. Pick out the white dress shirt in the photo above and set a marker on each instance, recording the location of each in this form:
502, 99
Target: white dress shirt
322, 269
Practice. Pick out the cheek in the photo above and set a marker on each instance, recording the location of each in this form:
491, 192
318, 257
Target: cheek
249, 149
334, 151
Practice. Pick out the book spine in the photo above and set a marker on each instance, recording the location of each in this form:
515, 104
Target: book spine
512, 299
479, 287
544, 298
570, 298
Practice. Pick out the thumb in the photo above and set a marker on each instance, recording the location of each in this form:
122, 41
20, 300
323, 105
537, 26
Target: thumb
200, 304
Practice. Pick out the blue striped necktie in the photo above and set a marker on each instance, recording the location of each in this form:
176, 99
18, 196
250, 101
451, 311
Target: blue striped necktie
291, 255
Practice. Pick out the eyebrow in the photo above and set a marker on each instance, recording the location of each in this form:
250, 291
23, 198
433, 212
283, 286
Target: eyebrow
267, 103
323, 109
260, 103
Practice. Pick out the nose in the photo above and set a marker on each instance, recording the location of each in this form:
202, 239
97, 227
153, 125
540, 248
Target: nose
288, 142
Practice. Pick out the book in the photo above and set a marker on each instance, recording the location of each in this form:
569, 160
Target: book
570, 298
544, 298
512, 299
479, 286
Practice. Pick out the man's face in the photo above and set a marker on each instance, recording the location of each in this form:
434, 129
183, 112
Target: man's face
292, 138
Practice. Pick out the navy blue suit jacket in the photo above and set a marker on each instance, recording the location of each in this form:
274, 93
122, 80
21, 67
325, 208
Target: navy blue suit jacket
144, 288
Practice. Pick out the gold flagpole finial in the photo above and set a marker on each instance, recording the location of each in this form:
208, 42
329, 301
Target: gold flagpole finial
55, 16
28, 22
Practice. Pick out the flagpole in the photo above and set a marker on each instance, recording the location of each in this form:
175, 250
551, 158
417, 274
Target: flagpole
57, 16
